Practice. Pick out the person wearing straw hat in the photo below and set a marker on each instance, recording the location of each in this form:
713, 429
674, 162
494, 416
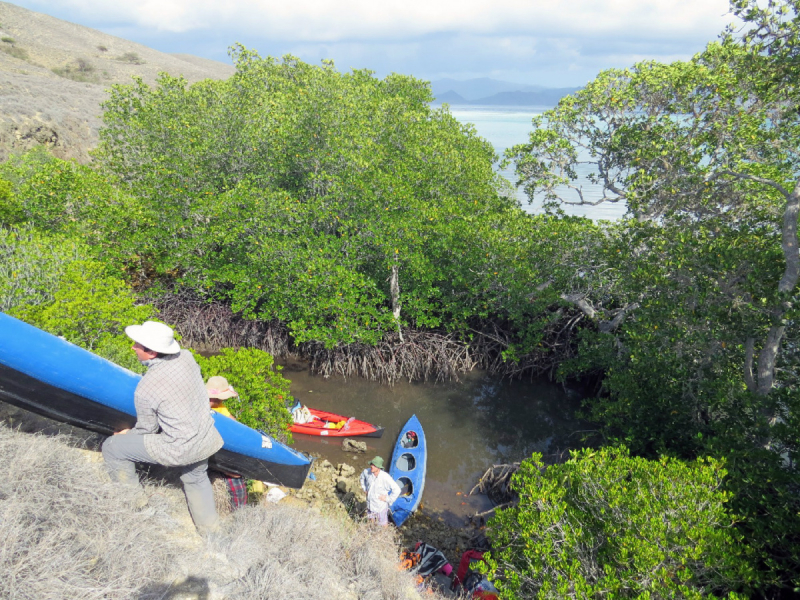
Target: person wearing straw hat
174, 426
381, 490
220, 390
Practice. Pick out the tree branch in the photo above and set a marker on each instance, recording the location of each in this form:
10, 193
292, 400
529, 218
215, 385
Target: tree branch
748, 364
767, 358
789, 242
609, 326
580, 301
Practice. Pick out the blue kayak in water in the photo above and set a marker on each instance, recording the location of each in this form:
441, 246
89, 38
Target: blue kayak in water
50, 376
409, 463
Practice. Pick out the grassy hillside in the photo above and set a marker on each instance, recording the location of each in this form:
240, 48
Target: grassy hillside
54, 74
68, 532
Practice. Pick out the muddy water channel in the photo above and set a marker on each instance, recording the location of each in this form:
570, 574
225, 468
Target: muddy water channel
469, 426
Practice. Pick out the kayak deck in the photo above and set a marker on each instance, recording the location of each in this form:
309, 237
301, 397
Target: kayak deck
321, 425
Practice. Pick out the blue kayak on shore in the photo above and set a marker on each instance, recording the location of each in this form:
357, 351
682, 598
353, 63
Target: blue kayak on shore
50, 376
409, 464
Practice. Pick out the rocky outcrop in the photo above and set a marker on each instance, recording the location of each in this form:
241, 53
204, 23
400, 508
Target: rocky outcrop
349, 445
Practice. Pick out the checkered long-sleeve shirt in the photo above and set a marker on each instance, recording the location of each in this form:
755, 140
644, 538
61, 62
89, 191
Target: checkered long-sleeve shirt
172, 411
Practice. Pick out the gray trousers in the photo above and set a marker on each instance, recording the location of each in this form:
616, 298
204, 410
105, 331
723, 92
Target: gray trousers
121, 452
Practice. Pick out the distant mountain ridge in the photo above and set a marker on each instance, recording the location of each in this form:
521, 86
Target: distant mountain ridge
494, 92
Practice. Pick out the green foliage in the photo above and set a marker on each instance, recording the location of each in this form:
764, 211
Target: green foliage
263, 392
90, 309
32, 264
80, 70
292, 191
696, 304
605, 524
64, 197
9, 211
131, 57
15, 51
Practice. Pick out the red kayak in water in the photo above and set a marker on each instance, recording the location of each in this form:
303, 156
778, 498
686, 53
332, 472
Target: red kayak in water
333, 425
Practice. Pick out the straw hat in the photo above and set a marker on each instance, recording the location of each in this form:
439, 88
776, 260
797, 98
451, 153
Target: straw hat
154, 336
219, 388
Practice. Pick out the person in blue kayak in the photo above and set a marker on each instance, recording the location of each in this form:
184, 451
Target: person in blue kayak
410, 440
381, 491
174, 426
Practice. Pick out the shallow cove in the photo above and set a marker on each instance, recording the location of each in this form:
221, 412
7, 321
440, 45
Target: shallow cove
469, 426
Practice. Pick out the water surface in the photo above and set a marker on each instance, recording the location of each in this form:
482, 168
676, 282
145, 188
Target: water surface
507, 126
469, 426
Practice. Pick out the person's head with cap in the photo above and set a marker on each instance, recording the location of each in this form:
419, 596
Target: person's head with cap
152, 339
219, 390
376, 464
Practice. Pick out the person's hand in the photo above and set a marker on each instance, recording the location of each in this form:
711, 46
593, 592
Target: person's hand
383, 498
122, 431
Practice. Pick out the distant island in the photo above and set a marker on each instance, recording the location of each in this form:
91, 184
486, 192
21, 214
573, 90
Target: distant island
493, 92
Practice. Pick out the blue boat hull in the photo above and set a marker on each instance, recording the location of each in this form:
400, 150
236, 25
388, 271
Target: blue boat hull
50, 376
408, 468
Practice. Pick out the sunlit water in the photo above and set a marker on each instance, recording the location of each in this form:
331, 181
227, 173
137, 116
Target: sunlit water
505, 127
469, 426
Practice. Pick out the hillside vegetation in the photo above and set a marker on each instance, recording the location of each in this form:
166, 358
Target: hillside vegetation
69, 532
341, 217
55, 74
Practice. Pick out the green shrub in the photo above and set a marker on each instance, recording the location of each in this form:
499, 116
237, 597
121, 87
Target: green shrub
10, 212
263, 392
7, 40
132, 58
80, 70
605, 524
32, 264
62, 196
15, 51
90, 309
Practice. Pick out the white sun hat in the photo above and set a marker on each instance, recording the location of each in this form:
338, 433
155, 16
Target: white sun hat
154, 336
219, 388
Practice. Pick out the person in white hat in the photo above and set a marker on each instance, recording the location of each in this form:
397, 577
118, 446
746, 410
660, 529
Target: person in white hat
174, 426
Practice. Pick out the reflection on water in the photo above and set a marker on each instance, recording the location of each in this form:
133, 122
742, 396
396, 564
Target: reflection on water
469, 426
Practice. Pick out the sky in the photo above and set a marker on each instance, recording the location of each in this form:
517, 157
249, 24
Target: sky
552, 43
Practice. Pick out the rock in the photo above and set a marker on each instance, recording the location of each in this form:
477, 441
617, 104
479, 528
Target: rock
342, 486
324, 465
349, 445
345, 470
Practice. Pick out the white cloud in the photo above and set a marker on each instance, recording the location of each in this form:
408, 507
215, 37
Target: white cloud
547, 42
340, 20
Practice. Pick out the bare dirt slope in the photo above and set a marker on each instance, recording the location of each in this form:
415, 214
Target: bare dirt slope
54, 75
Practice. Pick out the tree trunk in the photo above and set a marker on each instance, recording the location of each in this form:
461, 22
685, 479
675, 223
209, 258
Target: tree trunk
394, 289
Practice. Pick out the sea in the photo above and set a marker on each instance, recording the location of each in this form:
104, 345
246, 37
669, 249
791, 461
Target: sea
506, 126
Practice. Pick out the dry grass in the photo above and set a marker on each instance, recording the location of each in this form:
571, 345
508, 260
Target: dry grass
69, 533
289, 552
